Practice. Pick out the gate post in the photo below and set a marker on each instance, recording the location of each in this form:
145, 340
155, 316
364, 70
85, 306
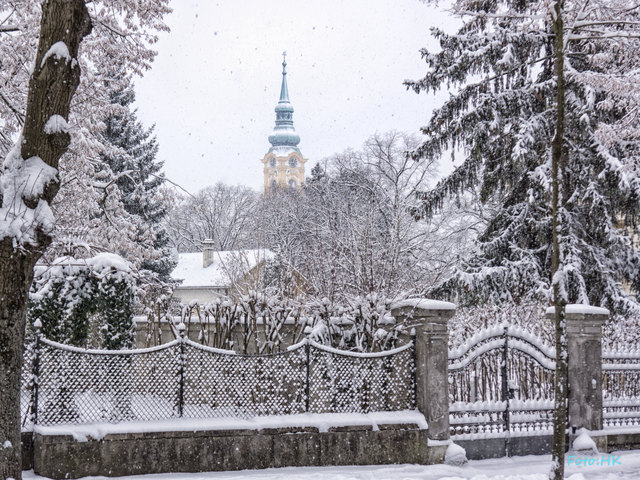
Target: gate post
430, 318
584, 349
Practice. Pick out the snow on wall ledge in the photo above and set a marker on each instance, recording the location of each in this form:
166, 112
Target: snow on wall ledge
424, 303
580, 309
322, 421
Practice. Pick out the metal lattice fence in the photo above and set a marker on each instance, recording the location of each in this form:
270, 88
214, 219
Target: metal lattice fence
83, 386
182, 378
27, 386
344, 383
219, 384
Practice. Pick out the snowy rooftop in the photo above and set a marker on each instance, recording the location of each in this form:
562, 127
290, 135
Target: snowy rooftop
227, 266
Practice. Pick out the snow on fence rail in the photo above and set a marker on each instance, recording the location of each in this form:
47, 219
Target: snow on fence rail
185, 379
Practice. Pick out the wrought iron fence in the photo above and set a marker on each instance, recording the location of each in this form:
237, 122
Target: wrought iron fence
182, 378
621, 389
502, 380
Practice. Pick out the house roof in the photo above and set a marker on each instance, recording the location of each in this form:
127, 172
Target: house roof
228, 266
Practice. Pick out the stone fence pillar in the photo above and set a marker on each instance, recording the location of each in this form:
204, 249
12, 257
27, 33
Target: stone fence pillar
430, 318
584, 350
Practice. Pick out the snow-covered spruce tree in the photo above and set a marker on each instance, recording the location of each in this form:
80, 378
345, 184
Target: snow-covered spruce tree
545, 111
317, 173
130, 152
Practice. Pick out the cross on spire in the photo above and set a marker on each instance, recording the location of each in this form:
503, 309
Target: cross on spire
284, 62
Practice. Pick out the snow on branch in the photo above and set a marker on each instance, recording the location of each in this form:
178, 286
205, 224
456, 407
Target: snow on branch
9, 28
56, 124
22, 182
59, 51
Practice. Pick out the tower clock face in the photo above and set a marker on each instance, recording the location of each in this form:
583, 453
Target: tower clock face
293, 162
272, 162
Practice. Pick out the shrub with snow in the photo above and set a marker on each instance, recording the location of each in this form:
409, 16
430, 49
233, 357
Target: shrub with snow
74, 297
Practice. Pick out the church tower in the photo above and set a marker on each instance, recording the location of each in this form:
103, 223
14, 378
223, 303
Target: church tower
283, 163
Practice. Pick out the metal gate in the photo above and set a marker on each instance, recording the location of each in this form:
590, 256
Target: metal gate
500, 384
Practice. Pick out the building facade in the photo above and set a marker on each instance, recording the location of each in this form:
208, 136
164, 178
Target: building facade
283, 163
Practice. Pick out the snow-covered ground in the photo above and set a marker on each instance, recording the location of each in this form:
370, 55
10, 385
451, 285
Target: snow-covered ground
627, 467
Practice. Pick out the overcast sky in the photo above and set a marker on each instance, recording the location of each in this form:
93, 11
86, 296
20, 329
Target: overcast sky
216, 80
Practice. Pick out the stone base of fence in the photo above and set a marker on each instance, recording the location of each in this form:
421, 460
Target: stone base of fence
60, 456
623, 441
498, 447
27, 450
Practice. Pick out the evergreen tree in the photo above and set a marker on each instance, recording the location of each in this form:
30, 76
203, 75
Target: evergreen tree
131, 153
503, 119
317, 173
546, 131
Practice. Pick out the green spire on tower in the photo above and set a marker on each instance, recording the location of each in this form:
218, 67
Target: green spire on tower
284, 90
284, 137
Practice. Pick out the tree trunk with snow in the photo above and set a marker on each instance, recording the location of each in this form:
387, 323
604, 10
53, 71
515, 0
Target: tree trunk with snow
55, 77
559, 300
